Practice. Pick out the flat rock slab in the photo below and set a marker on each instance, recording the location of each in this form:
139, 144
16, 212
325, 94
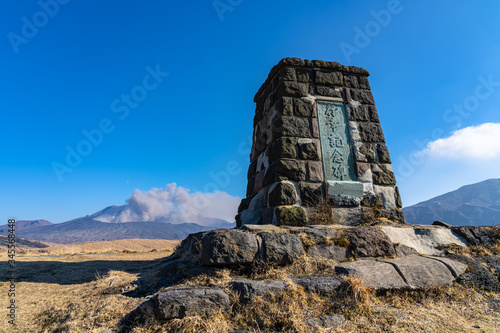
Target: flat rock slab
376, 274
280, 248
424, 240
412, 272
183, 302
249, 289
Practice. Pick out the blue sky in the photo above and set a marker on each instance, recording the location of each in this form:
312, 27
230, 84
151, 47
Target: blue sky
193, 68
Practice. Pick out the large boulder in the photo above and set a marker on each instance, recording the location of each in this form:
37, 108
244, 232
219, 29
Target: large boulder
369, 242
248, 289
280, 248
225, 247
189, 301
477, 276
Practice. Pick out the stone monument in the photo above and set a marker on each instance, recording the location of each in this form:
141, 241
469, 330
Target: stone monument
318, 142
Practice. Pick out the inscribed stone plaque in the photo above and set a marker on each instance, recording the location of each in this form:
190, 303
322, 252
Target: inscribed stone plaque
338, 161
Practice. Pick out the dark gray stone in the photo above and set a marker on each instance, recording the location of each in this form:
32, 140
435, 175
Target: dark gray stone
494, 263
475, 235
291, 216
304, 75
308, 151
189, 301
361, 95
371, 132
285, 106
287, 74
326, 285
282, 148
478, 276
382, 175
292, 126
328, 321
316, 234
225, 247
292, 89
284, 193
329, 78
280, 248
327, 91
291, 169
360, 113
302, 108
442, 224
248, 289
311, 194
383, 154
334, 252
369, 242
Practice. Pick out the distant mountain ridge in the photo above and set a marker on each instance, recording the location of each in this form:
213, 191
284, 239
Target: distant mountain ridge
475, 204
89, 229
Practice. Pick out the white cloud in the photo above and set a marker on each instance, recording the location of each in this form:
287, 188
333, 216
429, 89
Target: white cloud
476, 142
176, 204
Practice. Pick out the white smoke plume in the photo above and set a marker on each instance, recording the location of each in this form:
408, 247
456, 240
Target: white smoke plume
175, 204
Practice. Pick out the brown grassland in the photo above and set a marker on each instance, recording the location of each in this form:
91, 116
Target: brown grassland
89, 288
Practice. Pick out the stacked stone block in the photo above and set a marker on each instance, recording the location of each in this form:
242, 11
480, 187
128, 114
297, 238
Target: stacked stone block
286, 177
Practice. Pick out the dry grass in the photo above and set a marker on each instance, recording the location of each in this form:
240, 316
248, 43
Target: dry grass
322, 214
115, 246
88, 293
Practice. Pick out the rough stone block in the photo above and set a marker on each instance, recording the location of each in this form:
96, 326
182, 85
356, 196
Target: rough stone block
303, 108
226, 247
359, 113
326, 285
361, 95
283, 148
304, 75
328, 78
287, 74
383, 175
371, 132
327, 91
280, 248
189, 301
249, 289
383, 154
308, 150
311, 194
368, 153
369, 242
283, 193
326, 322
284, 106
315, 172
292, 126
291, 169
291, 216
292, 89
329, 252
